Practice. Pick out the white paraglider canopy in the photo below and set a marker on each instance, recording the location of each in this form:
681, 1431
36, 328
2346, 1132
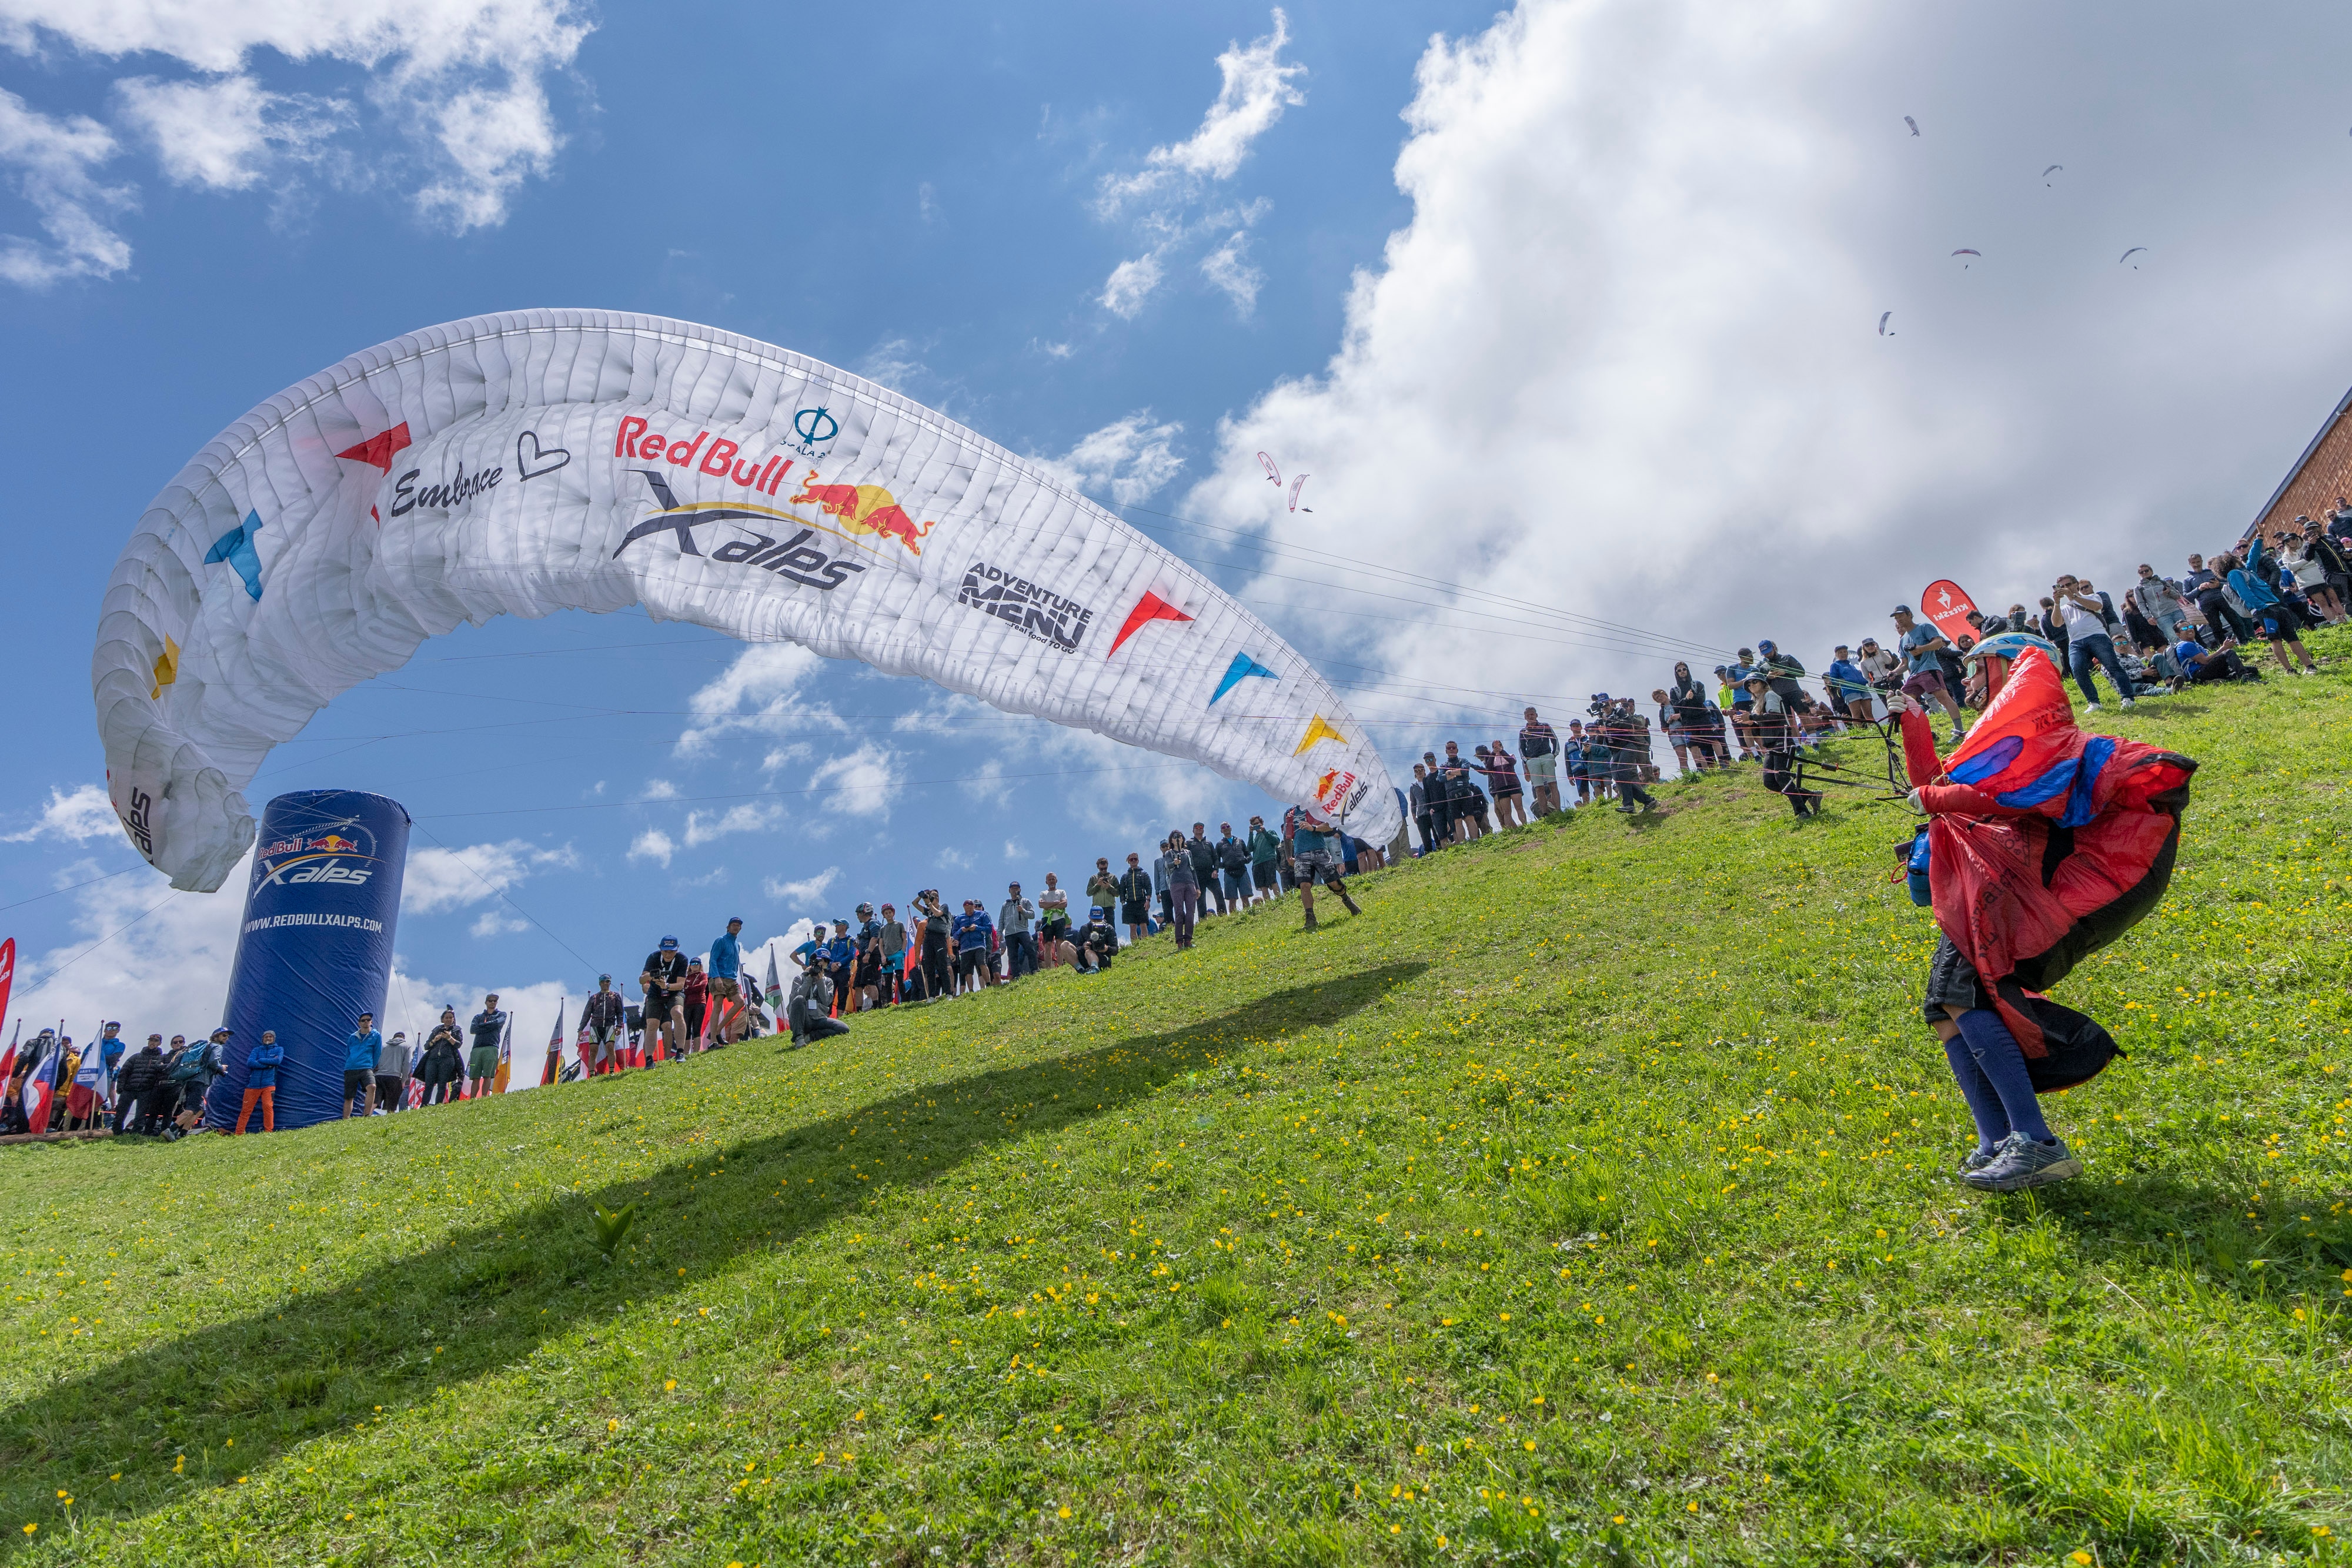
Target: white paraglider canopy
552, 460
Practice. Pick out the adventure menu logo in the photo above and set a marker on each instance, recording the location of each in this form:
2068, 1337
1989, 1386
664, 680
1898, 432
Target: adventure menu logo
1037, 613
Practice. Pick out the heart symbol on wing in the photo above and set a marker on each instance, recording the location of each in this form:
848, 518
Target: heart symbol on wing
531, 460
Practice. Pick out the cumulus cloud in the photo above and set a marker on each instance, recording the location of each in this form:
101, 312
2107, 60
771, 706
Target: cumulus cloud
1228, 270
1157, 198
1132, 458
75, 817
458, 90
1258, 86
491, 922
760, 693
439, 879
895, 363
1130, 284
803, 890
655, 845
858, 784
1623, 357
223, 134
53, 163
748, 817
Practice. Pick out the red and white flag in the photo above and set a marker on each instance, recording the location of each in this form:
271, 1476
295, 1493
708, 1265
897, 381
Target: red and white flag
41, 1088
7, 979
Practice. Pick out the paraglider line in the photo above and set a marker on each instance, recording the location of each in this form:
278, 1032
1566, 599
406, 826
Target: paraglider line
109, 936
93, 882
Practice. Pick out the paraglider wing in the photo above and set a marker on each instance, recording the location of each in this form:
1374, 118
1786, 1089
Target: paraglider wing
2053, 168
548, 460
1296, 486
2047, 844
1883, 318
1271, 471
1911, 123
1966, 251
2129, 254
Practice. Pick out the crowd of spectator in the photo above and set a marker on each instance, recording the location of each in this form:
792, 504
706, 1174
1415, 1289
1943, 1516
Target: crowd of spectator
2160, 633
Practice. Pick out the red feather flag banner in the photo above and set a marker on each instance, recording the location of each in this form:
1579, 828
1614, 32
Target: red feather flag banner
1948, 605
7, 977
2044, 844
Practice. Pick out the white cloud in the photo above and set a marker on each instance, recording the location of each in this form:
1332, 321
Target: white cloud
77, 818
1258, 88
655, 845
439, 879
490, 923
748, 817
954, 860
806, 890
458, 88
895, 363
760, 693
1225, 268
926, 205
1132, 458
53, 165
658, 789
222, 134
1012, 849
1052, 350
1630, 331
858, 784
1130, 284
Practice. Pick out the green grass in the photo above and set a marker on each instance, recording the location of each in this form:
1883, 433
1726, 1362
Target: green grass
1585, 1200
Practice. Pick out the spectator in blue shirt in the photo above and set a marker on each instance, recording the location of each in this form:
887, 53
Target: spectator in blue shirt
359, 1052
262, 1083
2251, 580
968, 934
1848, 685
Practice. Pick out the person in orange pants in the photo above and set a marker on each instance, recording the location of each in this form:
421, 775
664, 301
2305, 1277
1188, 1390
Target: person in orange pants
261, 1082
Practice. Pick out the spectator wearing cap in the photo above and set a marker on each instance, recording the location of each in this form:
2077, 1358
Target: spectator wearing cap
1919, 644
391, 1064
663, 981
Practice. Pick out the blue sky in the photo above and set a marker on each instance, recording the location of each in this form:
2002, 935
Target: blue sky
1575, 307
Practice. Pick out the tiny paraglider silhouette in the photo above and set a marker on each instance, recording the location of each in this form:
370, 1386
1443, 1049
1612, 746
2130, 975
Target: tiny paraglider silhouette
1966, 251
1882, 324
1271, 471
2128, 255
1296, 486
2053, 168
1911, 123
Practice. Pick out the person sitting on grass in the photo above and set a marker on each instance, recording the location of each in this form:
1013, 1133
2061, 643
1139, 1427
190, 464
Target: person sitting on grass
807, 1012
2199, 664
261, 1082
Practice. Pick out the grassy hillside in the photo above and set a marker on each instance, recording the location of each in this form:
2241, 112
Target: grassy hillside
1585, 1200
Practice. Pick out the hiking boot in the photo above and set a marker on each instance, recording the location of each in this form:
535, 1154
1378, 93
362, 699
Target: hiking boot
1310, 920
1350, 903
2021, 1162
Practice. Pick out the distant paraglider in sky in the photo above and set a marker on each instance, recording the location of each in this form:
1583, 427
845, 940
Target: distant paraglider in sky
1271, 471
2128, 255
1911, 123
1296, 486
1966, 251
2053, 168
1882, 323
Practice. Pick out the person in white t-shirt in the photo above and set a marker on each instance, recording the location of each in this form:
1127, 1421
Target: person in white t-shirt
2088, 640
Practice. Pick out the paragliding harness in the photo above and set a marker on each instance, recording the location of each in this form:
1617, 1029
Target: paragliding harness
1883, 775
2072, 845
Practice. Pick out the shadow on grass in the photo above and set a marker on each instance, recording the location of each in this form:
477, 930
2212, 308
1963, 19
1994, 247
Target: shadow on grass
493, 1295
2285, 1254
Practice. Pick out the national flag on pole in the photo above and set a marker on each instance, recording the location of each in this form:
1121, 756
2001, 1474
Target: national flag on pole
554, 1047
505, 1057
41, 1088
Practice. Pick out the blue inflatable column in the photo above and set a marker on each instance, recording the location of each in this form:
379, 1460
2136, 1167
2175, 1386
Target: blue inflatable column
315, 950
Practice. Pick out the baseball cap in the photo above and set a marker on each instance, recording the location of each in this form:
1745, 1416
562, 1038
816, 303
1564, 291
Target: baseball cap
603, 976
669, 943
734, 920
1898, 610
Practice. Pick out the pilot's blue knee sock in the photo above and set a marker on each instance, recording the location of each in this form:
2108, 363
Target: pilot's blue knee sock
2002, 1062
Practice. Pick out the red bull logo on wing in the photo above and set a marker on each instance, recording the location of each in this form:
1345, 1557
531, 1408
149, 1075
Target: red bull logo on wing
334, 844
1337, 792
282, 847
865, 509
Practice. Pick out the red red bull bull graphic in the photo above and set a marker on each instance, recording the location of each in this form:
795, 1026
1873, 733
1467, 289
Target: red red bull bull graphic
865, 509
1337, 793
636, 439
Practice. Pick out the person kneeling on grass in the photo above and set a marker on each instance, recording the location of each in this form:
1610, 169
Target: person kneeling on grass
808, 1012
1098, 941
1315, 850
